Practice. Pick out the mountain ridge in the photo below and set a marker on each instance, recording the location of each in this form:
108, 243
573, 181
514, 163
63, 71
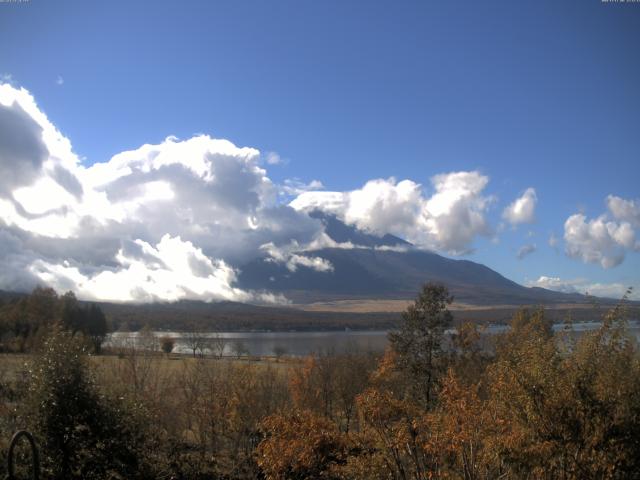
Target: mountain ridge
387, 267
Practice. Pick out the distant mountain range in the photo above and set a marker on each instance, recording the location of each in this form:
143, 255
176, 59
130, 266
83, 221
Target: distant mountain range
387, 267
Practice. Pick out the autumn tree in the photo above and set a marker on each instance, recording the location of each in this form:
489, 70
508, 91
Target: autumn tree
328, 385
460, 430
469, 353
570, 413
301, 445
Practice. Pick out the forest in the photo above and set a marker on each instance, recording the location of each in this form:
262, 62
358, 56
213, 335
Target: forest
538, 404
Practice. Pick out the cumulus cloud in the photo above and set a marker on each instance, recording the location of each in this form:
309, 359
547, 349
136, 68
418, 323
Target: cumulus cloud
624, 210
22, 151
178, 219
448, 220
525, 250
523, 209
171, 270
290, 256
164, 221
602, 240
580, 285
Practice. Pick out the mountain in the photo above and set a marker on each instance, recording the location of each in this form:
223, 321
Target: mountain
387, 267
376, 268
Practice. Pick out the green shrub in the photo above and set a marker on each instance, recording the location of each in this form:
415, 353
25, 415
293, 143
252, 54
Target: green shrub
82, 433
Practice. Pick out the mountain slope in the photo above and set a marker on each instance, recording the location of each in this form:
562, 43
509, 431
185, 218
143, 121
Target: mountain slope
375, 271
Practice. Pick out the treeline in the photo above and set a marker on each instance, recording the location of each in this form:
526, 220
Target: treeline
25, 321
541, 405
234, 317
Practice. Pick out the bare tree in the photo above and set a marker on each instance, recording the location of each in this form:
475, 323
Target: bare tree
137, 367
218, 344
147, 340
240, 349
195, 339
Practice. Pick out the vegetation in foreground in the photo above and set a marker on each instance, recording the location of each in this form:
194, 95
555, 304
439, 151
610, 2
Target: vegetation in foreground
540, 405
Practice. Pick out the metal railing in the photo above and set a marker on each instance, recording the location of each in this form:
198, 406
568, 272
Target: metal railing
35, 461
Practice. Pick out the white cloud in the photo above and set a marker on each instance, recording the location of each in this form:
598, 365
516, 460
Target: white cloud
624, 210
448, 220
523, 209
555, 283
606, 239
580, 285
272, 158
599, 240
59, 80
74, 226
553, 240
289, 255
295, 186
525, 250
170, 271
179, 218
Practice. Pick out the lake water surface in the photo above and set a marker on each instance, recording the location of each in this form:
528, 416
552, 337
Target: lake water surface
306, 343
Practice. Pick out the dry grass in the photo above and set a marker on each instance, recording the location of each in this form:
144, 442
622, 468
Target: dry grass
394, 306
15, 367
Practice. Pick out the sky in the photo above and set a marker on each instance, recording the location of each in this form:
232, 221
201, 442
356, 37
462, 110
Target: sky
147, 149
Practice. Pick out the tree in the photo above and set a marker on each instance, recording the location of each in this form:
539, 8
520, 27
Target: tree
71, 315
83, 434
240, 349
418, 343
19, 324
42, 305
301, 445
96, 327
279, 351
167, 344
570, 413
218, 344
146, 340
195, 339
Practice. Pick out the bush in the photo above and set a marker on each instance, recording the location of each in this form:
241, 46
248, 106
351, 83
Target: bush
81, 433
167, 344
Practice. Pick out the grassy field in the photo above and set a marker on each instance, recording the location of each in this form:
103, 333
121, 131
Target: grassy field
382, 306
15, 367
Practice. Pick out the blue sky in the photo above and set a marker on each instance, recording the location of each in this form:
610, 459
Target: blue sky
540, 94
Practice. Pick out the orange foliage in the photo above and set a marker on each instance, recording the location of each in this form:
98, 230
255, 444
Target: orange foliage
300, 445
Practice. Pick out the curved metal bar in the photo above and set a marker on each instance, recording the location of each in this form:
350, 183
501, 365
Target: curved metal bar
35, 462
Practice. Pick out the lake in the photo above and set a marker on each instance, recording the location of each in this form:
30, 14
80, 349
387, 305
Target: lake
306, 343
